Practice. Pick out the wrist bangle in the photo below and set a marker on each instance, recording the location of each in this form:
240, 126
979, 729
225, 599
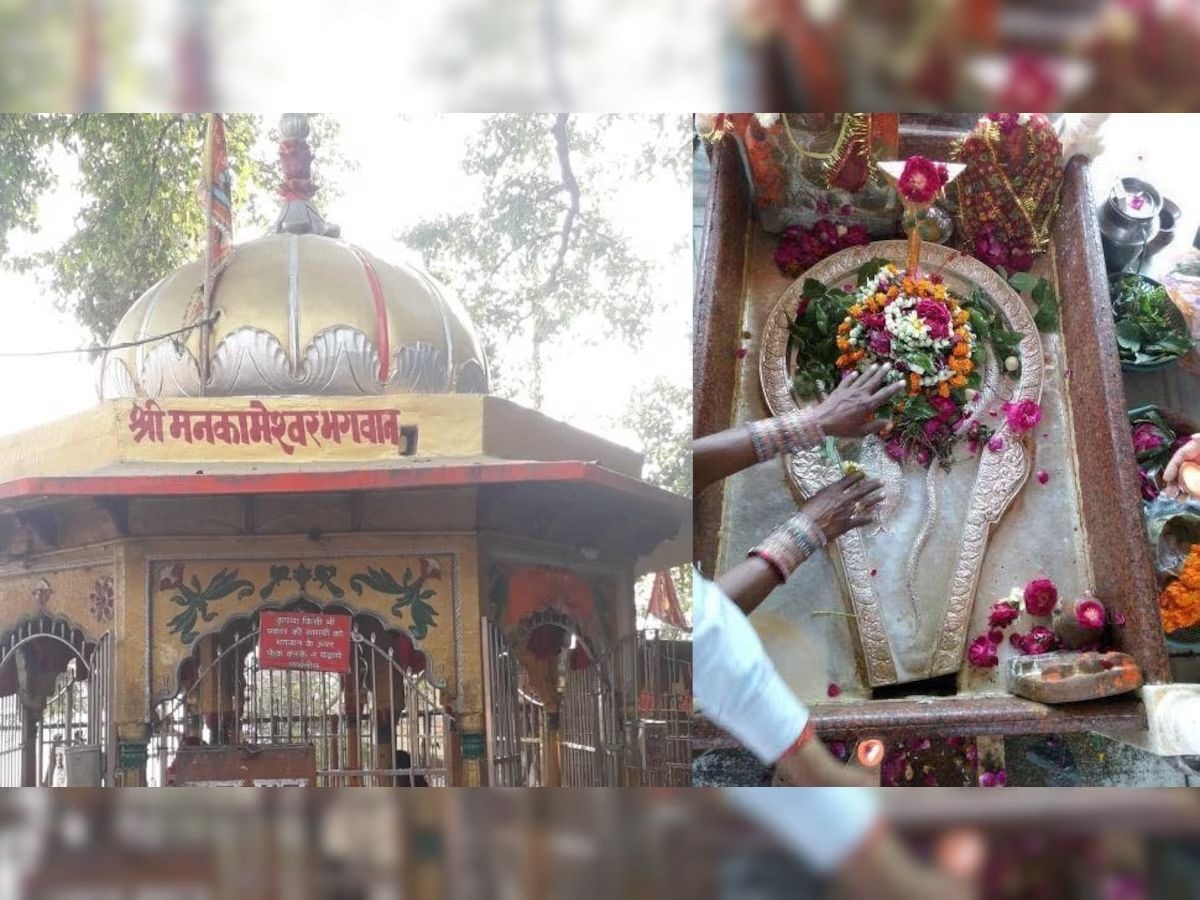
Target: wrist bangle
790, 544
793, 431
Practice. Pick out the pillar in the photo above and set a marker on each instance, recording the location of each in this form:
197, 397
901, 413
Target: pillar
131, 669
474, 749
553, 745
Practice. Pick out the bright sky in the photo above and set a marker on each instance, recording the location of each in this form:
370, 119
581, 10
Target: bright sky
408, 170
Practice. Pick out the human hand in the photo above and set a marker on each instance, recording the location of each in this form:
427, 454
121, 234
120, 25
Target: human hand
1188, 453
849, 410
844, 505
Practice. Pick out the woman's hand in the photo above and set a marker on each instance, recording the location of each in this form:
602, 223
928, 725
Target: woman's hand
844, 505
1189, 452
849, 411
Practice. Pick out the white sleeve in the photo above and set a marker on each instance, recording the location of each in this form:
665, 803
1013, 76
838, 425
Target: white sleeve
822, 826
736, 684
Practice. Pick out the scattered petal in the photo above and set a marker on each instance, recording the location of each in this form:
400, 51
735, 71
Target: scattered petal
1043, 476
833, 690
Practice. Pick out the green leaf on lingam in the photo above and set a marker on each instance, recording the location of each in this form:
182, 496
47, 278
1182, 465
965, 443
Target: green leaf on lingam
921, 363
870, 269
918, 409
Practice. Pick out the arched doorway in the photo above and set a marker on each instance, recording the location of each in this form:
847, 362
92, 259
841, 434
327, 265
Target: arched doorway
55, 692
552, 710
383, 724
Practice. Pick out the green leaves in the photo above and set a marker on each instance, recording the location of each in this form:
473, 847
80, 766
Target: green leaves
529, 275
1046, 299
1150, 330
812, 338
139, 218
870, 269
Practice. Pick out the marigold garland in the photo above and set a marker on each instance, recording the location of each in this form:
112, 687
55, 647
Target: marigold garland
1179, 603
915, 323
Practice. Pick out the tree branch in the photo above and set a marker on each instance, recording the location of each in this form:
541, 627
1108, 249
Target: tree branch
569, 184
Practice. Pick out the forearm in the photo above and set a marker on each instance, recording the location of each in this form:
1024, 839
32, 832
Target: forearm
748, 583
718, 456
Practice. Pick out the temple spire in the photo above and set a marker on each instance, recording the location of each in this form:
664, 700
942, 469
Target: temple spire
299, 215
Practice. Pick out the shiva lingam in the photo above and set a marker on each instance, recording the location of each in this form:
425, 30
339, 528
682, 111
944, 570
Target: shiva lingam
910, 583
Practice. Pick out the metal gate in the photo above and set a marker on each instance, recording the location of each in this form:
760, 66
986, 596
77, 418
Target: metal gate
658, 685
74, 715
502, 674
359, 723
516, 719
591, 737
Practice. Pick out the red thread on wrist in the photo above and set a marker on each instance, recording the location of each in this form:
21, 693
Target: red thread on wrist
776, 567
806, 735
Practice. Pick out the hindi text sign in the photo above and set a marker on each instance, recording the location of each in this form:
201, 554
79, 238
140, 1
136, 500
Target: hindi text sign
305, 641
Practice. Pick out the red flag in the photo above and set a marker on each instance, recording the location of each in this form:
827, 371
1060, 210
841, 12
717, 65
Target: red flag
664, 602
215, 196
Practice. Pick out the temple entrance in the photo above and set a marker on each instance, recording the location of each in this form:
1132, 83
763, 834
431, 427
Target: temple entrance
552, 711
591, 735
55, 691
383, 724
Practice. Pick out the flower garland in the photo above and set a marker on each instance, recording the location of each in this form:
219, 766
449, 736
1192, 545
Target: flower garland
1008, 195
914, 323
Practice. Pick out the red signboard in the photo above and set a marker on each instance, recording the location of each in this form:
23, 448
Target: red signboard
314, 642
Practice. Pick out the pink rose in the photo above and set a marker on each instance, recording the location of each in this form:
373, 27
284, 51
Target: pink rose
895, 449
1041, 596
1039, 640
1023, 416
880, 343
855, 236
1003, 614
1090, 613
1149, 486
946, 408
982, 653
936, 316
1147, 438
920, 181
873, 320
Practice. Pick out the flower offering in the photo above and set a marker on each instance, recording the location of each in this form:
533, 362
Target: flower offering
917, 325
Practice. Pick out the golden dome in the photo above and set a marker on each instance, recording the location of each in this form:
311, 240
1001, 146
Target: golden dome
298, 314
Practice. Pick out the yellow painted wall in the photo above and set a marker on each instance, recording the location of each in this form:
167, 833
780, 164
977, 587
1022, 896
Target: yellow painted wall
449, 426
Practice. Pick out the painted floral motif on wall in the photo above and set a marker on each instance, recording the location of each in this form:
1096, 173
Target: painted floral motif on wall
410, 592
101, 599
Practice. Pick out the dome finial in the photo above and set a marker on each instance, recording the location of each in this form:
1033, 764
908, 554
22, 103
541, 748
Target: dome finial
299, 215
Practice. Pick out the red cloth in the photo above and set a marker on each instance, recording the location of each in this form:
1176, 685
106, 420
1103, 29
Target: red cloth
664, 602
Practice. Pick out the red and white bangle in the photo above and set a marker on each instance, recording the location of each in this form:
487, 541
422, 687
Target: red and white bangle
785, 548
789, 433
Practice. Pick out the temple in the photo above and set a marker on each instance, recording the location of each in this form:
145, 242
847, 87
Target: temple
297, 542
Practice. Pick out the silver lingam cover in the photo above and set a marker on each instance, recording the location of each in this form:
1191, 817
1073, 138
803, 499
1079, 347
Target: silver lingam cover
910, 579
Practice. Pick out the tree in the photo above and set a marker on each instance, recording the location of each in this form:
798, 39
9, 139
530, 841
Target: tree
661, 416
139, 217
541, 255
